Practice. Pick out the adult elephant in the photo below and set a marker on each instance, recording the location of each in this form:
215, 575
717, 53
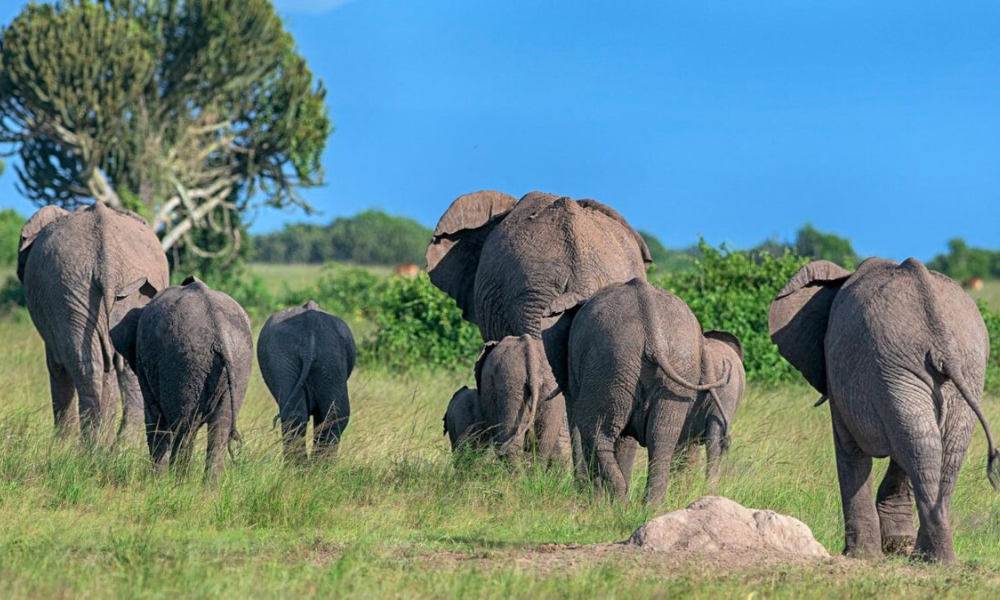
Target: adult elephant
82, 272
516, 267
901, 354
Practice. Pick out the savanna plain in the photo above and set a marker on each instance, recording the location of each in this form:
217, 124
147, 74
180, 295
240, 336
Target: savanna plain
395, 515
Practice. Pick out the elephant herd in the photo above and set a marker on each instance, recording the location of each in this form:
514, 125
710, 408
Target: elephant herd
583, 359
96, 287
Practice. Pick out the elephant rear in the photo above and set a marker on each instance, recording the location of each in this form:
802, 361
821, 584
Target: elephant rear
193, 354
306, 357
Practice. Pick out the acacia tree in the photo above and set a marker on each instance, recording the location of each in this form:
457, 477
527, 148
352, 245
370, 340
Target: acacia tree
186, 111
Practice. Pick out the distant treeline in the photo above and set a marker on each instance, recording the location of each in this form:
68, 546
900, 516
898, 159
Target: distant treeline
962, 262
368, 238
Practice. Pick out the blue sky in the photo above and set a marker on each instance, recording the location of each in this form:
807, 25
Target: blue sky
734, 120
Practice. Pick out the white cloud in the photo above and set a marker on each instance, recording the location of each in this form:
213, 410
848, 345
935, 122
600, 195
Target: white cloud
311, 7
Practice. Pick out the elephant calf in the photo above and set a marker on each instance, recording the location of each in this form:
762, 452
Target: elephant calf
521, 405
192, 350
306, 356
642, 372
463, 421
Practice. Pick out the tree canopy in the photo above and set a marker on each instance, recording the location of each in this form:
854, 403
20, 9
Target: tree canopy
369, 238
962, 262
186, 111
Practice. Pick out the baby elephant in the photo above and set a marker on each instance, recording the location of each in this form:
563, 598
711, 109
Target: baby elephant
522, 407
463, 421
192, 350
306, 356
641, 372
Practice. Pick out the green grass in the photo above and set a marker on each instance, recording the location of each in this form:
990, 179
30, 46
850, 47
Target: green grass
299, 276
990, 294
393, 517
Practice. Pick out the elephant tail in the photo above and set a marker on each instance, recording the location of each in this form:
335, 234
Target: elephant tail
222, 351
104, 332
295, 402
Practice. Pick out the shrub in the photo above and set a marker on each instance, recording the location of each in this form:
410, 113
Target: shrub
419, 325
992, 320
348, 293
10, 234
732, 290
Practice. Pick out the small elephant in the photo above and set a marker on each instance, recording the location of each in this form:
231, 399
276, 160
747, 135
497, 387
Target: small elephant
192, 349
523, 408
642, 372
463, 420
705, 425
82, 272
306, 356
900, 352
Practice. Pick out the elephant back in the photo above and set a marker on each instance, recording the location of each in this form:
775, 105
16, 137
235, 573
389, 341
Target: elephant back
549, 254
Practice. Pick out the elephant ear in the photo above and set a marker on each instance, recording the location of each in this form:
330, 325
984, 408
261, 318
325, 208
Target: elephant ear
39, 221
130, 300
453, 254
728, 339
799, 314
488, 347
647, 258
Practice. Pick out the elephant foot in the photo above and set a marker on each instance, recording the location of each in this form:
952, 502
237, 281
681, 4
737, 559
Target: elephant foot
935, 553
901, 545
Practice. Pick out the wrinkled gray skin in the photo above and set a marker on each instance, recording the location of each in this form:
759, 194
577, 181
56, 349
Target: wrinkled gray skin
82, 272
516, 267
642, 373
521, 408
463, 420
193, 350
306, 356
901, 354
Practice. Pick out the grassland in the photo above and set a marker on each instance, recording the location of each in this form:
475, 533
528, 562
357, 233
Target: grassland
394, 517
294, 277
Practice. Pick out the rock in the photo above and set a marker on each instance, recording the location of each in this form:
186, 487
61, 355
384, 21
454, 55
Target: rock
715, 525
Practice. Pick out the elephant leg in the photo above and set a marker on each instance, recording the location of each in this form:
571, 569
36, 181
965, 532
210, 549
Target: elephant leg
932, 455
862, 538
220, 428
663, 430
894, 504
158, 435
293, 437
61, 386
132, 407
625, 455
90, 380
715, 446
329, 423
183, 449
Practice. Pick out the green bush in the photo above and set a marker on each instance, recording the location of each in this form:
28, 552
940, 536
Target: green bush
348, 293
419, 325
10, 234
732, 290
993, 327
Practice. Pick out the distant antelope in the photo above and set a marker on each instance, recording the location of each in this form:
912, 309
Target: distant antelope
973, 283
408, 270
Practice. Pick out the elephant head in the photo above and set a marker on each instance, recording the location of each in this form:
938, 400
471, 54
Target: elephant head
798, 318
515, 267
463, 420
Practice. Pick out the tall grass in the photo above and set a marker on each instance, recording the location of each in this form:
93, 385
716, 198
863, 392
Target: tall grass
393, 515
